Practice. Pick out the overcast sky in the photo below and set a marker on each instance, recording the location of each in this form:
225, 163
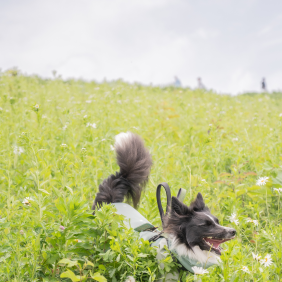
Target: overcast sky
230, 44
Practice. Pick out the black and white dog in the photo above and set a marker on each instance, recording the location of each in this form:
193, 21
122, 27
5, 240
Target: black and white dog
193, 230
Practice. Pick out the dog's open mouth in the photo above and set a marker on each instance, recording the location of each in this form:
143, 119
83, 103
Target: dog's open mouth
214, 243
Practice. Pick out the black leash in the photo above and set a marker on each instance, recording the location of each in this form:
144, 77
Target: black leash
156, 237
168, 200
180, 195
168, 204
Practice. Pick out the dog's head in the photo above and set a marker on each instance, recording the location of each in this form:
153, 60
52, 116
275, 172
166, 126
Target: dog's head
196, 226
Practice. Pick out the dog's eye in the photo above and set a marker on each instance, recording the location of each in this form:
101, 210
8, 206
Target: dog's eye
208, 223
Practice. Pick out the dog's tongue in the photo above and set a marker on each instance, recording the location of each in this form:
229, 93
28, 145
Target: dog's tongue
215, 243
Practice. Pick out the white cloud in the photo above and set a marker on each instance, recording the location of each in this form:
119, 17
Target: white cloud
205, 33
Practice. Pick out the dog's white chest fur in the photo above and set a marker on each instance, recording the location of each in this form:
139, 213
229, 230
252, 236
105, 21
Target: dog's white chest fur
197, 254
202, 257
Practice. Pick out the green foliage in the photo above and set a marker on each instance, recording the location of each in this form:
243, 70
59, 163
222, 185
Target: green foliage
55, 149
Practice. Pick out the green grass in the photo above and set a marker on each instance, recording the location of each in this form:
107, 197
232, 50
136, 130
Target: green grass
192, 135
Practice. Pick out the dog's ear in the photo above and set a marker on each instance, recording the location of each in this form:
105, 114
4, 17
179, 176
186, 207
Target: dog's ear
198, 204
179, 207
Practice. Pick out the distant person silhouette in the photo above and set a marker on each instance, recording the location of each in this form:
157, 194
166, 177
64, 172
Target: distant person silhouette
177, 82
200, 84
263, 85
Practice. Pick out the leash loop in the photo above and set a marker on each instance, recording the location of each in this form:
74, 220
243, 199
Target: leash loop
180, 196
168, 200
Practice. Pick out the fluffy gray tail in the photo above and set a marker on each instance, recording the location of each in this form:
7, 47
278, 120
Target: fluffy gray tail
135, 164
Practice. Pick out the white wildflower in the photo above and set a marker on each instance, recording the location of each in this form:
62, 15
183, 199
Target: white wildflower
204, 180
262, 180
199, 270
65, 127
233, 218
210, 125
36, 107
280, 115
130, 279
267, 260
279, 190
235, 139
1, 109
44, 116
64, 145
246, 269
256, 257
103, 140
254, 221
88, 101
27, 200
112, 147
77, 240
18, 150
85, 116
93, 125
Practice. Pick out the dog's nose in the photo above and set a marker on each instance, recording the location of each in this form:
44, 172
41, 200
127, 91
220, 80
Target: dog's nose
233, 232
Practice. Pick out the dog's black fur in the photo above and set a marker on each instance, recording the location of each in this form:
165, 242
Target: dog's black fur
135, 164
188, 226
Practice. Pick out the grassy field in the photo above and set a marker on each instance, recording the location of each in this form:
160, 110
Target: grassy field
56, 141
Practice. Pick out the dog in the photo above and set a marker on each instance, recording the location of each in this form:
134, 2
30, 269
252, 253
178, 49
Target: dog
193, 231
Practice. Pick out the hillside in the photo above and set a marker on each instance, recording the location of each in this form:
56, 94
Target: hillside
55, 148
